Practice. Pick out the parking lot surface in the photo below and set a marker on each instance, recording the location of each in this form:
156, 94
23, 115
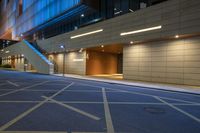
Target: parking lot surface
34, 103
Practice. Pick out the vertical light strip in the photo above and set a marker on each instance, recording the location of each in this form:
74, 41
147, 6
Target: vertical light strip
142, 30
85, 34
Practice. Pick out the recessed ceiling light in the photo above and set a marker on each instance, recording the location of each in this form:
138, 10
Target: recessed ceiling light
102, 46
131, 42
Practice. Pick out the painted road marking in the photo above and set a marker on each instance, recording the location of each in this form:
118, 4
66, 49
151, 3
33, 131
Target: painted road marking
136, 87
109, 124
44, 132
130, 92
143, 94
12, 83
119, 103
14, 91
179, 110
19, 117
73, 109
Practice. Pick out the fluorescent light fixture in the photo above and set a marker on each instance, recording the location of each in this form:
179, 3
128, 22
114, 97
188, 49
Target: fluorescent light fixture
85, 34
142, 30
7, 51
77, 60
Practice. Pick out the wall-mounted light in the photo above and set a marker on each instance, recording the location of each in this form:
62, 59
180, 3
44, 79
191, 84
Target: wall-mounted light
87, 33
142, 30
77, 60
176, 36
62, 46
82, 15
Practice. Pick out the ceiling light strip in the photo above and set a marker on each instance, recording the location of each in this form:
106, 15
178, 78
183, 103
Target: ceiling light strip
85, 34
142, 30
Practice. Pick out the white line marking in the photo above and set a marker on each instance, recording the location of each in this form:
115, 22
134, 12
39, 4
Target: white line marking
19, 117
14, 91
109, 124
142, 88
143, 94
88, 132
12, 83
73, 109
44, 132
65, 90
31, 132
179, 110
88, 102
126, 91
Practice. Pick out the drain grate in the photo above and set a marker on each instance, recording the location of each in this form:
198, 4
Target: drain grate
154, 110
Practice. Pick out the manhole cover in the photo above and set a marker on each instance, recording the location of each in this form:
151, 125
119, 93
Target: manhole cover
154, 110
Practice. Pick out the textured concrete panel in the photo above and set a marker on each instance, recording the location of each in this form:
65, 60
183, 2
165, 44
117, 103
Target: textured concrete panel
178, 61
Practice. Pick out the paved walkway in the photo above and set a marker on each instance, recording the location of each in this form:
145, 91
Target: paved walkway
171, 87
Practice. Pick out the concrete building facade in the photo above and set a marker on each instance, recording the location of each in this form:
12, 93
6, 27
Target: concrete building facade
156, 43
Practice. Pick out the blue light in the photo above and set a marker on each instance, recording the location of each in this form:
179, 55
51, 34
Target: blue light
37, 12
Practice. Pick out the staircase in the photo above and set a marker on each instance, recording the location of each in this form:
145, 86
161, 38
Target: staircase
32, 54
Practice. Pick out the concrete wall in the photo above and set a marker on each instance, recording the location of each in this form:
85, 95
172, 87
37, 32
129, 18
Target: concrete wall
39, 61
176, 17
19, 64
75, 62
175, 61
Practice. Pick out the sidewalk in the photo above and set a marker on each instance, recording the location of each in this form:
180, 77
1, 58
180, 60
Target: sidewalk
158, 86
